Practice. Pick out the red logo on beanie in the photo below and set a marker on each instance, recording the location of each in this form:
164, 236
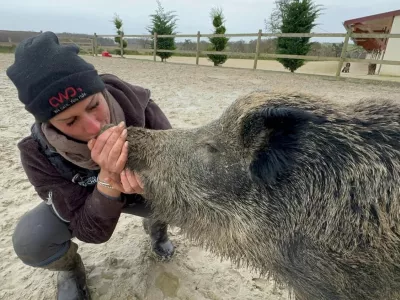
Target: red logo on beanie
69, 93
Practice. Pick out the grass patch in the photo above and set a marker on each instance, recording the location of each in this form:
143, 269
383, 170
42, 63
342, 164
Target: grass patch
7, 49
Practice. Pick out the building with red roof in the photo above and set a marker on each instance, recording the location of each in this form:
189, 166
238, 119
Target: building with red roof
379, 48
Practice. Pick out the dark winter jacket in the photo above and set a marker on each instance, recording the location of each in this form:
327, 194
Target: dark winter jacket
92, 217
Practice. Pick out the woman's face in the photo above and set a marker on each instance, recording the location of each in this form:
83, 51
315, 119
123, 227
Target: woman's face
83, 120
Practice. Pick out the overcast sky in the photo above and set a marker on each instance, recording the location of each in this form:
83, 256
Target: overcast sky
242, 16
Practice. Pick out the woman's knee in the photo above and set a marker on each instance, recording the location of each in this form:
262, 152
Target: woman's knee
40, 237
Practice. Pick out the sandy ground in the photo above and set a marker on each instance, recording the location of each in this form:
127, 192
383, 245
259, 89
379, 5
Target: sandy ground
122, 268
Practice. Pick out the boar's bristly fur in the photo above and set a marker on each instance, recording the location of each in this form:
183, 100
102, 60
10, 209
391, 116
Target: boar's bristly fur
296, 187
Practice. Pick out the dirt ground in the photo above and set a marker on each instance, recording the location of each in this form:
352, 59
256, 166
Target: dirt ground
122, 268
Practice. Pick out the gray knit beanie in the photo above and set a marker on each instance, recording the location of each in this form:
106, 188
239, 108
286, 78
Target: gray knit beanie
51, 77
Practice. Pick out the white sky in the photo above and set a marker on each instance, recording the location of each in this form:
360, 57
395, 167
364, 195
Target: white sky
242, 16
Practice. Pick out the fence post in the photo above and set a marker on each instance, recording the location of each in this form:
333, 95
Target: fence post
121, 43
344, 51
92, 46
155, 47
198, 48
95, 44
257, 49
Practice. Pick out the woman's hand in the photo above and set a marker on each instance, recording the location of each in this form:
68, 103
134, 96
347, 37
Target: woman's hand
129, 183
110, 149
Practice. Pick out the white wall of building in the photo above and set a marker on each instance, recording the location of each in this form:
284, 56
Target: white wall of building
392, 51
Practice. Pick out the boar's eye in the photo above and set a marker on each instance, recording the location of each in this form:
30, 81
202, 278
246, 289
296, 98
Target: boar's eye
211, 147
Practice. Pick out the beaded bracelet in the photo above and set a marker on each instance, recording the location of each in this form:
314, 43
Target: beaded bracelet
105, 184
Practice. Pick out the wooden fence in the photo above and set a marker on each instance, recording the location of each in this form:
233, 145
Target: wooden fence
91, 46
342, 59
83, 43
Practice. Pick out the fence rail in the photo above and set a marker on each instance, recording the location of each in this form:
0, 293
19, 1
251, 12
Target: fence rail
341, 60
92, 44
81, 42
353, 35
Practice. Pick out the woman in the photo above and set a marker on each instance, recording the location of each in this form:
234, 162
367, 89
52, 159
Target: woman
77, 172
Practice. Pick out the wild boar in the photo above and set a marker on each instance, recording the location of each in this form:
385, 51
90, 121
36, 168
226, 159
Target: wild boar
296, 187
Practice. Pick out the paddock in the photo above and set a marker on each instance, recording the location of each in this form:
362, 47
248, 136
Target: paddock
122, 268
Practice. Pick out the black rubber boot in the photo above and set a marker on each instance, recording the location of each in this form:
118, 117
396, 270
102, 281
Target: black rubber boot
160, 242
71, 279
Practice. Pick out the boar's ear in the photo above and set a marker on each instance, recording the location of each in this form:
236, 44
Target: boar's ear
273, 136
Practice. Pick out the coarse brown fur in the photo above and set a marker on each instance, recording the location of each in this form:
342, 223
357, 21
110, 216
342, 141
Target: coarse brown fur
298, 188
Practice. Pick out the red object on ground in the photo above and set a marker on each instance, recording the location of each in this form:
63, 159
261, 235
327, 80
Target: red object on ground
106, 54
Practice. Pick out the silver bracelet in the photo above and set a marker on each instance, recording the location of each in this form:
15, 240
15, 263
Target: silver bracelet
105, 184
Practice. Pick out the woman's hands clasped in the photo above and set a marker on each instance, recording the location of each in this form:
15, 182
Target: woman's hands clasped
110, 151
